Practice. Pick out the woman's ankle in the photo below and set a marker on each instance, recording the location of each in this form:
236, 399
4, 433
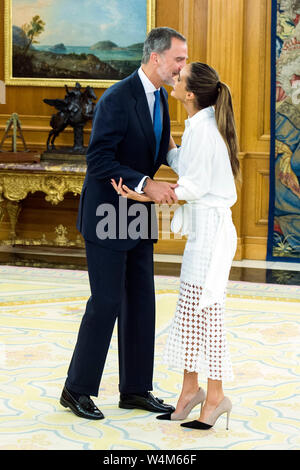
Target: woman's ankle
190, 390
215, 399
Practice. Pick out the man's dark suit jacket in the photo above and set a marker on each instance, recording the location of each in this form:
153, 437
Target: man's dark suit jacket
122, 144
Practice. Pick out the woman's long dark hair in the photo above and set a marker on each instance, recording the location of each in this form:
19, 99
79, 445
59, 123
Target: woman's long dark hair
204, 82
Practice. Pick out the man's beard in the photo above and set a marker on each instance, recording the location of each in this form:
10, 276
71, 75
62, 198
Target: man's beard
167, 79
170, 82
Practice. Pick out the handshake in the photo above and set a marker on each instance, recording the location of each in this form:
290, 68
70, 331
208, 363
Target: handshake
160, 192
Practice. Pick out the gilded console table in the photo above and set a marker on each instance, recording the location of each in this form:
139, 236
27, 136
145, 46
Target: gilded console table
54, 179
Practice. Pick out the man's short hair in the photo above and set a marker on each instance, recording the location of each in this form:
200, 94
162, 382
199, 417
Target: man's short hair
159, 40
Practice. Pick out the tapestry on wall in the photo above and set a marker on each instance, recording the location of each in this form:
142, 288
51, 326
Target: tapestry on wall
284, 209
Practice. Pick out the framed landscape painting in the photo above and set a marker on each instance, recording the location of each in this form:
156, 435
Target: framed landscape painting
55, 42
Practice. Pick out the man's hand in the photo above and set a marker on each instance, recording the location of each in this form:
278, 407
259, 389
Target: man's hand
160, 191
124, 191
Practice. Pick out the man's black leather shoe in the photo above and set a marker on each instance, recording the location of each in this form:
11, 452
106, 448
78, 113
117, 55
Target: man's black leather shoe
83, 407
147, 402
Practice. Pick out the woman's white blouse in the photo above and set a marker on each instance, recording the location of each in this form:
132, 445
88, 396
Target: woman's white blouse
202, 163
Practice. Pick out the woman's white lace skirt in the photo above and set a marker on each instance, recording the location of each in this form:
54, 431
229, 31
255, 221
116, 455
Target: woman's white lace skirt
197, 339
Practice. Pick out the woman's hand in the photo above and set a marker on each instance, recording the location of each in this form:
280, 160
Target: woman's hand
124, 191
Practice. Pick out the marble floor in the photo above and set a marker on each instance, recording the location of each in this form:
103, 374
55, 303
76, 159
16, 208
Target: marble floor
40, 314
269, 272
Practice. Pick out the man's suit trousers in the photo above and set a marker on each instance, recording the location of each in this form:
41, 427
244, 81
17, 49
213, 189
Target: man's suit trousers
122, 288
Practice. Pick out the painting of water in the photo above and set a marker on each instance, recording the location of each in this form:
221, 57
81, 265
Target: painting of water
75, 40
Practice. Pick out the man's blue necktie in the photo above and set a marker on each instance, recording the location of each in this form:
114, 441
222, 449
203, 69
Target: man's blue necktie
157, 125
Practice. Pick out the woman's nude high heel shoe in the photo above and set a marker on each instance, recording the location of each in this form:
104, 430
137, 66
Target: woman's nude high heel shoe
198, 398
224, 407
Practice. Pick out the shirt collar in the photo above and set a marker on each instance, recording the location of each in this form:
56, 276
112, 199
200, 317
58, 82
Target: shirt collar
147, 84
206, 113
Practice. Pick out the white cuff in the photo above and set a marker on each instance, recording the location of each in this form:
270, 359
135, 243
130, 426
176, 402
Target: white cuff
138, 189
180, 193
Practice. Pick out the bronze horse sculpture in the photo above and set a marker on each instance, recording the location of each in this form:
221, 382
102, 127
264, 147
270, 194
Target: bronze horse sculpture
74, 110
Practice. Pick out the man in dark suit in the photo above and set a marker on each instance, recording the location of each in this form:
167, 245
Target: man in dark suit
129, 140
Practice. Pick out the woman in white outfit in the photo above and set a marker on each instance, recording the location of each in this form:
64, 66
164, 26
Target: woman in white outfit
207, 165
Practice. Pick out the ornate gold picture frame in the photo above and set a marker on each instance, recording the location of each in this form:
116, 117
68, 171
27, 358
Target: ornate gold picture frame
53, 43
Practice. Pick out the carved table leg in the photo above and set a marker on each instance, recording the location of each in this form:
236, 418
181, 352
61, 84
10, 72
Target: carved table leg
13, 209
2, 204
